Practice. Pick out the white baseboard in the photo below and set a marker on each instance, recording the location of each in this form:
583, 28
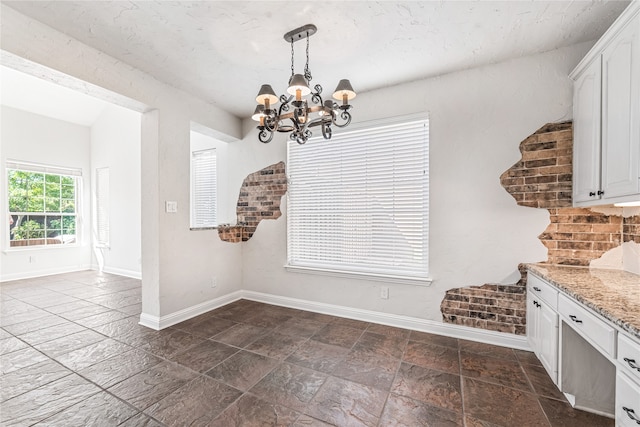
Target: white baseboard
158, 323
123, 272
406, 322
45, 272
399, 321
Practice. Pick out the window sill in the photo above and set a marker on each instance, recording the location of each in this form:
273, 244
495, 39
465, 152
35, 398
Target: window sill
203, 228
403, 280
18, 249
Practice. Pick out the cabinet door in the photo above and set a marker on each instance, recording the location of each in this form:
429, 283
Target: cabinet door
548, 333
532, 323
586, 134
621, 113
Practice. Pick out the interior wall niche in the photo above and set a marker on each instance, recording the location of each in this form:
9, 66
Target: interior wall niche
542, 179
259, 199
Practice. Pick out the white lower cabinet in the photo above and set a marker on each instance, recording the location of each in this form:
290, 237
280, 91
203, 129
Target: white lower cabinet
627, 401
542, 331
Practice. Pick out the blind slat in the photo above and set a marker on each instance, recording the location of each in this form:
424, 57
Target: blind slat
204, 188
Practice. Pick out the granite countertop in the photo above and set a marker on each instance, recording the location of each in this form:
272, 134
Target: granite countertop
614, 294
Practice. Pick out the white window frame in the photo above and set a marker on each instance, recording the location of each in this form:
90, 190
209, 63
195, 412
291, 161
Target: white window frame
75, 173
298, 260
204, 189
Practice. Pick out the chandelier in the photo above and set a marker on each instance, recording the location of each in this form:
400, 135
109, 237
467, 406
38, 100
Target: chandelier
296, 115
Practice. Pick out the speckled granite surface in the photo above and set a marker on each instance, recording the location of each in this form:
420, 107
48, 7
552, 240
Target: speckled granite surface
614, 294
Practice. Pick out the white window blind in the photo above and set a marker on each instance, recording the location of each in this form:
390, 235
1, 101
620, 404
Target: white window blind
359, 202
102, 206
203, 188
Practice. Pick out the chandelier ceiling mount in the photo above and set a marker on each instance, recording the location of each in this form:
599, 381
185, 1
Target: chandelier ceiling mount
296, 115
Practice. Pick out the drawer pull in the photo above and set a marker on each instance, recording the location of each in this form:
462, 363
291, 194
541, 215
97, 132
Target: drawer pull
632, 363
537, 289
575, 319
536, 303
631, 413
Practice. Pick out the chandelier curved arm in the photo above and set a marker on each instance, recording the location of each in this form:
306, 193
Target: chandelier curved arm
316, 96
264, 136
344, 115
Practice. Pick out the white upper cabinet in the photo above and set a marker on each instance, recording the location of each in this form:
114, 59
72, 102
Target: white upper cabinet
606, 113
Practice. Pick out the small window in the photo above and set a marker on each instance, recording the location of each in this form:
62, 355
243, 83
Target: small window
102, 207
203, 189
359, 203
43, 205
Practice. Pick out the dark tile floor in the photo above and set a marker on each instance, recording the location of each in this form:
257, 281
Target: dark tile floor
72, 354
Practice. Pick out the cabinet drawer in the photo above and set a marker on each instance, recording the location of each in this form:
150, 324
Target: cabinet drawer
543, 290
627, 401
588, 325
629, 356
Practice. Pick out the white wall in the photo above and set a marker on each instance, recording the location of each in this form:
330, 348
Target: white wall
115, 143
32, 138
477, 232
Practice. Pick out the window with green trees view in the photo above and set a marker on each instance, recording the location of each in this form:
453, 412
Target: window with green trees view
42, 208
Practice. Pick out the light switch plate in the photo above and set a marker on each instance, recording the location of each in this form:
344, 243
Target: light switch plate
171, 207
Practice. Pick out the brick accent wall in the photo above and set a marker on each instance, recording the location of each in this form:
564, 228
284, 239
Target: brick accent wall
259, 199
542, 178
576, 236
493, 307
631, 229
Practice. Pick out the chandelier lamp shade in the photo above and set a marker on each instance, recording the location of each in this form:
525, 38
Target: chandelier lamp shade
296, 114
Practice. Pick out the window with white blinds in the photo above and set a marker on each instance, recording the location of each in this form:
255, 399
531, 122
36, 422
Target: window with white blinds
203, 188
102, 206
359, 202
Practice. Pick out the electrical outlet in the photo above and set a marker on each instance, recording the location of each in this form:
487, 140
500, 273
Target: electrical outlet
171, 206
384, 292
32, 259
214, 282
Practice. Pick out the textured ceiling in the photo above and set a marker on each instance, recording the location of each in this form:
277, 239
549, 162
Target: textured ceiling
223, 50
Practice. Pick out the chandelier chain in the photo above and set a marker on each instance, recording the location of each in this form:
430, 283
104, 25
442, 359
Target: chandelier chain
292, 52
307, 71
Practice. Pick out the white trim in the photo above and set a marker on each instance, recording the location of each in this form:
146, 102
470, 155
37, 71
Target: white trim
387, 278
158, 323
122, 272
399, 321
47, 272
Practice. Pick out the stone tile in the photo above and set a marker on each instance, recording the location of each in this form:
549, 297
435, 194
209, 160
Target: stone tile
368, 369
81, 313
307, 421
345, 403
101, 409
148, 387
141, 420
243, 370
205, 355
128, 330
92, 354
561, 414
501, 405
289, 385
474, 422
434, 339
43, 402
527, 357
20, 359
318, 317
276, 345
381, 345
68, 343
268, 320
11, 344
429, 386
241, 335
70, 306
120, 367
483, 349
49, 299
208, 327
250, 411
54, 332
432, 356
318, 356
388, 331
300, 327
134, 309
351, 323
491, 369
336, 334
101, 319
542, 383
168, 346
4, 334
195, 403
404, 411
30, 321
26, 379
